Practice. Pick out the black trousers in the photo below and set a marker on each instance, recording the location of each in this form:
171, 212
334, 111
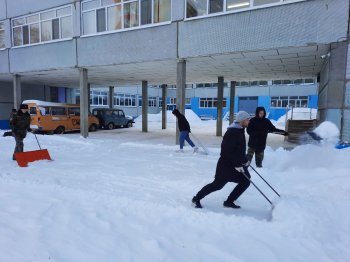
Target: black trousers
223, 175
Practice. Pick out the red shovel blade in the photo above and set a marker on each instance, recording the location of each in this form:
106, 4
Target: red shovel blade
23, 158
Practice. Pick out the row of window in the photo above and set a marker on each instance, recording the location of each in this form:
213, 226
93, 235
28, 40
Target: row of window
111, 15
262, 83
289, 101
97, 16
196, 8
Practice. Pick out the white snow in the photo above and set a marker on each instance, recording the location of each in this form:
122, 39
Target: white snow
125, 195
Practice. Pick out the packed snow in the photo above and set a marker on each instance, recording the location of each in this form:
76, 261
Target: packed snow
125, 195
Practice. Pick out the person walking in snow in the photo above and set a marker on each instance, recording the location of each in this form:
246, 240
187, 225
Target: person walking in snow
258, 129
20, 124
232, 164
185, 129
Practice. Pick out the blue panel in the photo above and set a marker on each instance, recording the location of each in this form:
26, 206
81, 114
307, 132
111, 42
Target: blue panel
313, 101
4, 124
276, 113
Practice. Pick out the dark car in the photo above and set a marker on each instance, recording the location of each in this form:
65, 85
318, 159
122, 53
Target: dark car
111, 118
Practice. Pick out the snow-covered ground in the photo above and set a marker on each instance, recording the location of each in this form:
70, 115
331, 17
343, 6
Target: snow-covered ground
124, 195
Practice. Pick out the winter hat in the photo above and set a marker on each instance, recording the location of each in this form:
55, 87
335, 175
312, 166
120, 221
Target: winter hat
241, 116
23, 106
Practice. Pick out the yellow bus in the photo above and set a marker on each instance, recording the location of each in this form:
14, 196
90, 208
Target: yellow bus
57, 117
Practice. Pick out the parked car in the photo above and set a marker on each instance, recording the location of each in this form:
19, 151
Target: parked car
110, 118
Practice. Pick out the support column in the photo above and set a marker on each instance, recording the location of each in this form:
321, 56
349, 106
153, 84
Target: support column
88, 94
164, 105
111, 96
17, 91
232, 101
47, 93
180, 90
84, 102
219, 106
144, 106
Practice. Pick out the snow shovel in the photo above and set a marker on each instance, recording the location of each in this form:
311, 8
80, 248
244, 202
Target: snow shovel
206, 151
23, 158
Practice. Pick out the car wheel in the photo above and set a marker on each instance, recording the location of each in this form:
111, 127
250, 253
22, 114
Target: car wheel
93, 128
129, 124
59, 130
110, 126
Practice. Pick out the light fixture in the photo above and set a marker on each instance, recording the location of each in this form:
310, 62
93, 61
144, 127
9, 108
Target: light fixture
238, 5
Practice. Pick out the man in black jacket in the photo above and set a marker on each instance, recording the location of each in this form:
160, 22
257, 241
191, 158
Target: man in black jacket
258, 129
20, 124
184, 128
232, 164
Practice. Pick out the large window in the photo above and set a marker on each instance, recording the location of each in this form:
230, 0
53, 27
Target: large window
196, 8
98, 98
2, 35
210, 102
42, 27
289, 101
125, 100
111, 15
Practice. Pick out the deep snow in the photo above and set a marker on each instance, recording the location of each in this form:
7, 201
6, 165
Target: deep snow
124, 195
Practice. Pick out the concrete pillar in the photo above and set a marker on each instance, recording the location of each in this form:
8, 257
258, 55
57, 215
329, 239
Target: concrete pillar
219, 106
111, 97
17, 91
164, 105
47, 93
232, 101
84, 102
180, 90
333, 89
88, 96
144, 106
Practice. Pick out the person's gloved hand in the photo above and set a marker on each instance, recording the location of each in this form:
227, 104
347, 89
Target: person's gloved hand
240, 169
29, 129
246, 164
285, 133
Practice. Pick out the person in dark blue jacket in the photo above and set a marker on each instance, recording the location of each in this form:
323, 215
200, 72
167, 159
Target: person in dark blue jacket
184, 128
232, 164
258, 129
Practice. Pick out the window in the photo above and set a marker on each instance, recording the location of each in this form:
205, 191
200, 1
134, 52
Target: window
32, 111
124, 100
210, 102
44, 111
74, 111
58, 111
172, 101
196, 8
111, 15
152, 101
291, 101
2, 35
42, 27
98, 98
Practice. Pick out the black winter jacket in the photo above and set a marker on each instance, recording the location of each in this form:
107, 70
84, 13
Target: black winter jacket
20, 123
258, 129
233, 148
182, 121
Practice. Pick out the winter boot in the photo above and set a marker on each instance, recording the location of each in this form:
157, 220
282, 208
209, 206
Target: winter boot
180, 151
195, 150
231, 205
196, 202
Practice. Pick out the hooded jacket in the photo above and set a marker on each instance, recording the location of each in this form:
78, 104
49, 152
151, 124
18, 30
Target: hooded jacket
258, 129
182, 121
20, 123
233, 149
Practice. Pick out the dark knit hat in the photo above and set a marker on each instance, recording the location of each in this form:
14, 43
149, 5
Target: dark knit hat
23, 106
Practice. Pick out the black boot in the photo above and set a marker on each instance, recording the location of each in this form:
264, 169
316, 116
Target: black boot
231, 205
196, 202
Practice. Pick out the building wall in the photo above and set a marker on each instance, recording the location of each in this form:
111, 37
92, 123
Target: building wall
257, 29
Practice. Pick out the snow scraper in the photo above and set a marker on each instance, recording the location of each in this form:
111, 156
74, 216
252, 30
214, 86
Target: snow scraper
23, 158
206, 151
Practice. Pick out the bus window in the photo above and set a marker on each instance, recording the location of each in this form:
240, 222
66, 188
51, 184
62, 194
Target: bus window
74, 111
32, 111
58, 111
44, 111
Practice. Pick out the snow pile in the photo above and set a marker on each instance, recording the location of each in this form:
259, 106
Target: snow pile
190, 116
328, 131
298, 114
